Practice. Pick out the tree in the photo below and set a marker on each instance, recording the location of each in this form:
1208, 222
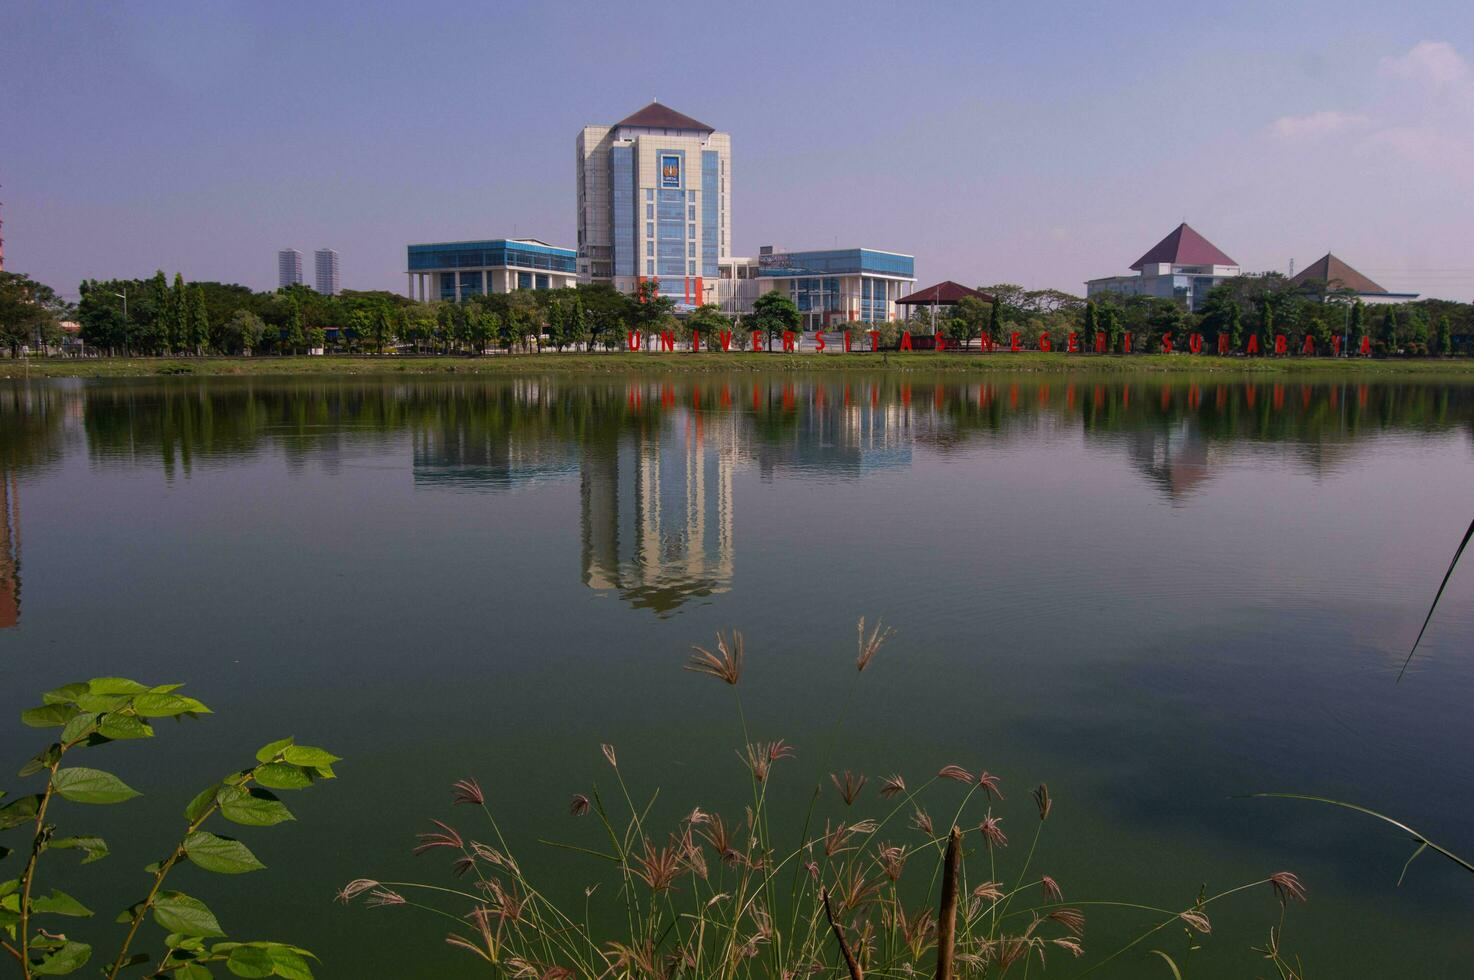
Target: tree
1418, 331
1389, 330
177, 323
708, 321
1235, 327
578, 321
1092, 324
1445, 336
773, 313
197, 322
974, 313
245, 329
27, 309
557, 324
1266, 324
296, 336
382, 327
317, 337
995, 321
1358, 321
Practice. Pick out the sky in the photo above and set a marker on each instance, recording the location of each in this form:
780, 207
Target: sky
1041, 143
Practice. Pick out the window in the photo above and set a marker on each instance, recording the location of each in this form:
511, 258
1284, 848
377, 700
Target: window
691, 270
649, 212
691, 249
649, 194
690, 231
649, 248
690, 212
524, 280
542, 282
649, 229
649, 267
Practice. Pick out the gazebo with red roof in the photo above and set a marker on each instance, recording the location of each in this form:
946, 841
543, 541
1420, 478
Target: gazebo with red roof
945, 293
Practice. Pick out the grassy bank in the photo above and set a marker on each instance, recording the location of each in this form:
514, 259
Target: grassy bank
1029, 362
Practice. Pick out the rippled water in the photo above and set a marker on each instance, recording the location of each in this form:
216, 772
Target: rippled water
1153, 596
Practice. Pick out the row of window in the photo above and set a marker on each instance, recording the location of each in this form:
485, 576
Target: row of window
489, 257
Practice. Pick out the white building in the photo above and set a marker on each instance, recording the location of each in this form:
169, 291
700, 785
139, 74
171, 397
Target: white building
1183, 266
1340, 281
829, 286
455, 270
655, 203
288, 267
327, 271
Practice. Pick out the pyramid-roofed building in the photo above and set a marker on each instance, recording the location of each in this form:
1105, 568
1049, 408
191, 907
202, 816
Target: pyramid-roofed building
657, 116
1183, 266
1341, 279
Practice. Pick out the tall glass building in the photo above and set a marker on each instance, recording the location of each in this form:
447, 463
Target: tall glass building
456, 270
326, 260
288, 267
655, 203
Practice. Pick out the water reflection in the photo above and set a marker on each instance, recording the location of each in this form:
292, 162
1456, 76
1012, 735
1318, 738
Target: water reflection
655, 460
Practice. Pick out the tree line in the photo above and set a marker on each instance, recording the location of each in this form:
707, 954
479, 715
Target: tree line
157, 316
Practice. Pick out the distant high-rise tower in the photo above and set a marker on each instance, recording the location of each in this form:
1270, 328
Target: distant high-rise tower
654, 203
327, 271
288, 268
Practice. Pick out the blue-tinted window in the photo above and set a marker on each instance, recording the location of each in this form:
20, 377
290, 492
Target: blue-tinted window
649, 267
491, 254
649, 212
670, 248
470, 284
709, 231
542, 282
622, 202
524, 280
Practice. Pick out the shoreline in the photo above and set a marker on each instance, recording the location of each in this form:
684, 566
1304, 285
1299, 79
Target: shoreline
575, 363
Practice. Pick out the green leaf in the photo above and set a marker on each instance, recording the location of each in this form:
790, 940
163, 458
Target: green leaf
102, 702
48, 715
308, 755
250, 961
81, 785
63, 960
95, 847
201, 803
44, 759
114, 725
252, 808
114, 685
179, 912
80, 724
126, 916
152, 705
192, 971
223, 855
271, 750
289, 964
59, 903
65, 694
19, 810
282, 775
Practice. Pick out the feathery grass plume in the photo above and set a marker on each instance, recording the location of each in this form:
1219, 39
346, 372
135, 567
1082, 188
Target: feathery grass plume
990, 890
1042, 801
989, 784
381, 897
1052, 892
1197, 920
849, 789
355, 888
725, 664
992, 832
657, 868
468, 791
762, 755
608, 751
956, 773
921, 820
579, 805
448, 837
892, 858
1072, 919
892, 785
1070, 945
866, 649
1287, 887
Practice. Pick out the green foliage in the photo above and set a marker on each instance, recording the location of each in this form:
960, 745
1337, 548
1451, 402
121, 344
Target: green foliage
93, 713
27, 308
773, 313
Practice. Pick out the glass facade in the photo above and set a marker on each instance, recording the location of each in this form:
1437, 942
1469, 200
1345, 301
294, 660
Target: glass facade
709, 229
670, 220
500, 252
622, 203
873, 299
843, 261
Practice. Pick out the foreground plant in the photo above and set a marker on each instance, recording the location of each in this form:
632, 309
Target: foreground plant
885, 889
108, 709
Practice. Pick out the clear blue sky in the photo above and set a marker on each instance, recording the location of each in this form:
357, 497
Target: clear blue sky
1035, 143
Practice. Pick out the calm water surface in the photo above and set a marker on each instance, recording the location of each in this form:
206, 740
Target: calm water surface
1152, 596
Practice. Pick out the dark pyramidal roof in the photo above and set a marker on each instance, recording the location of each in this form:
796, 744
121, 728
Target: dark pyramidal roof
1184, 247
657, 116
947, 293
1337, 275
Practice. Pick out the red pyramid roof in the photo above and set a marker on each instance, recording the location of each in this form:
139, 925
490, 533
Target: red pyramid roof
946, 293
1184, 247
657, 116
1337, 275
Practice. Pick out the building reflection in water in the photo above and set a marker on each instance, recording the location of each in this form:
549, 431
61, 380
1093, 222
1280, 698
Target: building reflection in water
656, 510
9, 550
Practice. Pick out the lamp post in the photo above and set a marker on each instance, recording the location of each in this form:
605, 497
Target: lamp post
124, 294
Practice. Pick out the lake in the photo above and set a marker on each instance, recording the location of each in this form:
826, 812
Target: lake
1155, 595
